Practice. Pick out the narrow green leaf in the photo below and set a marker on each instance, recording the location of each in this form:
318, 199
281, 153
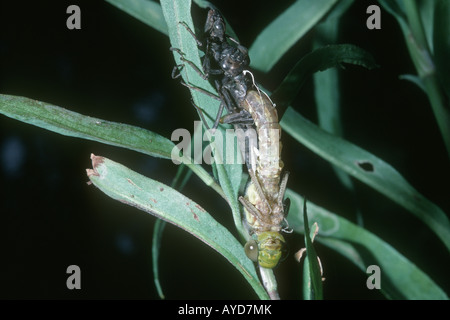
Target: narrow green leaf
72, 124
426, 11
203, 3
327, 89
158, 230
148, 12
415, 24
280, 35
327, 97
369, 169
414, 79
313, 277
131, 188
400, 278
319, 60
326, 85
306, 285
395, 8
409, 19
338, 10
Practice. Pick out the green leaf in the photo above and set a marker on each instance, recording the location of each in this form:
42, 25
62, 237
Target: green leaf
131, 188
395, 8
414, 79
72, 124
326, 84
148, 12
158, 230
426, 11
400, 278
369, 169
410, 22
313, 276
159, 226
335, 14
319, 60
280, 35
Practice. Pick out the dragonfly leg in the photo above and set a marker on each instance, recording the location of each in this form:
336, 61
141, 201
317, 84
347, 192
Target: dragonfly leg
216, 122
230, 103
199, 43
242, 117
285, 204
209, 94
259, 190
282, 190
219, 112
190, 63
176, 72
254, 212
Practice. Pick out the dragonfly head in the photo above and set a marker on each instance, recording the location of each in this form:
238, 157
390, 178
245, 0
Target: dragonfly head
267, 250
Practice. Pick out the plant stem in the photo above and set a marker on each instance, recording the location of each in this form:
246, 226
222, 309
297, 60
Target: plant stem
269, 282
422, 59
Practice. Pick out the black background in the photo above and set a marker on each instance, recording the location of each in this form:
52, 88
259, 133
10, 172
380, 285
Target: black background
118, 69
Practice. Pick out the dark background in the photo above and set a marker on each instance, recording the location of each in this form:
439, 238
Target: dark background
118, 69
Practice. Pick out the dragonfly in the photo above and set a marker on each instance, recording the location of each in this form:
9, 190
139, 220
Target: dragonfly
263, 202
248, 107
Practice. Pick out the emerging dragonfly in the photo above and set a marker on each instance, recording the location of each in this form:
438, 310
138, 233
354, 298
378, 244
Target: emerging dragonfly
263, 201
251, 108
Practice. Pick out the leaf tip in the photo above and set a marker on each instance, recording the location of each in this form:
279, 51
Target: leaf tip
96, 161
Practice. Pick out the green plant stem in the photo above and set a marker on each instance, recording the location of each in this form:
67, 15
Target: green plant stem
269, 282
415, 23
420, 54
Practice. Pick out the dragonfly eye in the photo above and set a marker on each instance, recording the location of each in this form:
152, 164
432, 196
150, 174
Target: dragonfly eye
251, 250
